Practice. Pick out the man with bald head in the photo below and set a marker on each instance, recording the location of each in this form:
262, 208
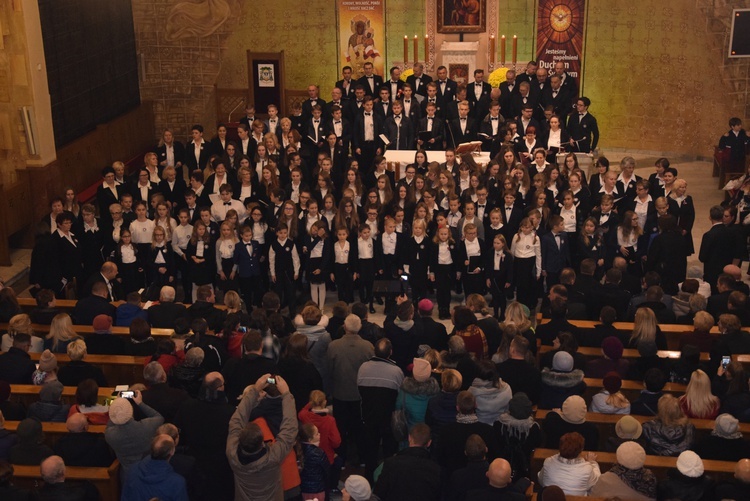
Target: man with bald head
500, 486
56, 488
95, 304
204, 424
107, 274
159, 395
739, 487
153, 477
163, 315
80, 447
736, 273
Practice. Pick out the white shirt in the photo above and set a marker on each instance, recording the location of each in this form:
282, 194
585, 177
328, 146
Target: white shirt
444, 253
68, 237
389, 242
272, 257
317, 251
128, 254
218, 181
641, 210
429, 123
197, 152
219, 210
364, 249
259, 233
170, 154
341, 253
181, 238
142, 231
246, 192
294, 195
226, 248
569, 217
369, 127
116, 227
160, 255
112, 188
473, 248
498, 258
526, 246
553, 140
631, 241
373, 228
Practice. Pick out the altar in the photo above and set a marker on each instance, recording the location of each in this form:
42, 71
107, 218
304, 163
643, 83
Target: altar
398, 159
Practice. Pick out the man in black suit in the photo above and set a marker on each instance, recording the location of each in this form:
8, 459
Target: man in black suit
382, 106
489, 130
419, 80
245, 143
313, 100
336, 100
463, 129
399, 129
523, 98
339, 126
370, 81
717, 248
507, 89
159, 395
451, 108
365, 141
432, 97
395, 84
313, 137
435, 126
171, 152
512, 214
353, 108
108, 193
172, 187
582, 127
526, 120
483, 208
529, 75
412, 109
556, 96
446, 88
249, 117
200, 190
611, 294
198, 151
478, 95
567, 81
96, 304
346, 84
164, 314
107, 274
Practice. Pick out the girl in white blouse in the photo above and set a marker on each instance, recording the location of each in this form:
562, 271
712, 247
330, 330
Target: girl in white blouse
142, 228
527, 263
128, 265
225, 264
342, 264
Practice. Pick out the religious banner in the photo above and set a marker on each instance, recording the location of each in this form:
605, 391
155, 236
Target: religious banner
362, 35
560, 35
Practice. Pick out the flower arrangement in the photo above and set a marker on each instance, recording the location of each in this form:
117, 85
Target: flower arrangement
406, 74
497, 77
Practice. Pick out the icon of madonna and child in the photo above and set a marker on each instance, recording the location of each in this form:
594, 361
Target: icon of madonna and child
361, 45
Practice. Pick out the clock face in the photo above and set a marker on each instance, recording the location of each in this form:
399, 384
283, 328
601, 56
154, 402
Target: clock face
560, 17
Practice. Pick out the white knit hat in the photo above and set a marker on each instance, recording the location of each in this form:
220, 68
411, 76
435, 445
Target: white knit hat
120, 411
690, 464
631, 455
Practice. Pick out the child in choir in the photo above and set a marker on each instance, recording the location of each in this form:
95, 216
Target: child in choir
496, 226
499, 274
417, 260
442, 271
364, 265
329, 209
220, 207
555, 251
201, 260
164, 220
284, 265
224, 255
247, 256
402, 227
161, 265
527, 263
591, 245
470, 217
234, 220
318, 261
343, 265
454, 216
470, 252
142, 229
372, 221
180, 240
389, 255
211, 225
129, 266
311, 217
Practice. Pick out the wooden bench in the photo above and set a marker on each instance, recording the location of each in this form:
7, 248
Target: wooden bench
718, 470
118, 369
88, 330
631, 389
67, 305
106, 480
606, 424
29, 393
628, 353
53, 431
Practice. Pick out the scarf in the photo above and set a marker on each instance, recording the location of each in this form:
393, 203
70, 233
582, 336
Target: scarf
516, 428
641, 480
466, 418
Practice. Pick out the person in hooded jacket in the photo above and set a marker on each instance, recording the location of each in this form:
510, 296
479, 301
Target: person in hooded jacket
318, 340
492, 393
50, 407
671, 432
560, 382
154, 477
688, 482
416, 391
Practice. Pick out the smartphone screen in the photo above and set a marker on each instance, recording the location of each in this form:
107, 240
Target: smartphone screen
725, 361
127, 394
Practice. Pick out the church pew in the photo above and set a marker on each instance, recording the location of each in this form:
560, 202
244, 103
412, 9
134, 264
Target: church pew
718, 470
88, 330
628, 353
118, 369
671, 331
631, 389
535, 497
606, 424
67, 305
53, 431
106, 480
29, 393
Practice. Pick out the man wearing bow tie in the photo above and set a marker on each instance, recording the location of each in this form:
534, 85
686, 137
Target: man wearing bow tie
555, 251
432, 98
412, 108
490, 127
365, 140
312, 101
341, 127
446, 88
507, 89
249, 117
313, 137
395, 84
220, 207
273, 124
399, 129
382, 106
478, 95
557, 96
419, 80
336, 100
523, 98
370, 81
346, 84
353, 107
582, 127
461, 129
436, 128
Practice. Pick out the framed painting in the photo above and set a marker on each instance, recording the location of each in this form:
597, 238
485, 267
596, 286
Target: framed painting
462, 16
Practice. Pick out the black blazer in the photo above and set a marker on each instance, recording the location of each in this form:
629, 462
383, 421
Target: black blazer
353, 109
358, 138
216, 147
585, 132
371, 90
454, 137
179, 154
450, 91
176, 194
517, 101
405, 135
307, 106
105, 198
479, 107
506, 94
135, 190
205, 154
420, 89
438, 133
717, 251
562, 102
344, 93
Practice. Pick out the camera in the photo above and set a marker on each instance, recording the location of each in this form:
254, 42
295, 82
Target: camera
725, 361
127, 394
271, 380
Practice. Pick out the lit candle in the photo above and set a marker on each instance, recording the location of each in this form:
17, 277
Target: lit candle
502, 50
515, 49
406, 48
416, 48
492, 49
426, 49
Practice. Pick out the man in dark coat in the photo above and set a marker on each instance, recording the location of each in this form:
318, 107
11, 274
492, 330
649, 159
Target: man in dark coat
164, 314
518, 372
79, 447
16, 366
159, 395
204, 308
56, 488
717, 247
96, 304
411, 474
241, 372
500, 486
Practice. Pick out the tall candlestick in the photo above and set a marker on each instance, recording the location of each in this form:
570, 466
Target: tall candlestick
406, 48
426, 49
416, 48
515, 49
502, 50
492, 50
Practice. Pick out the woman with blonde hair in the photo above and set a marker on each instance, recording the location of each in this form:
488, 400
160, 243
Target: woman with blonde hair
610, 400
698, 401
21, 324
516, 315
671, 432
646, 330
61, 333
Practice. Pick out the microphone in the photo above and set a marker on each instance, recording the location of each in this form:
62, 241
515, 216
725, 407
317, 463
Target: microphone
448, 124
229, 118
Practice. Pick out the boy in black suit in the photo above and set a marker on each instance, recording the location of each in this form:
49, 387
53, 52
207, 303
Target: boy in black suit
463, 128
555, 251
582, 127
399, 129
370, 81
435, 126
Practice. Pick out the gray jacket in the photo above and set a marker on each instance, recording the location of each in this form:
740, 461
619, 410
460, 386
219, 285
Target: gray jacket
318, 340
132, 441
257, 477
345, 357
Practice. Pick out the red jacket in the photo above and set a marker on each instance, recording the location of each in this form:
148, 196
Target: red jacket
329, 433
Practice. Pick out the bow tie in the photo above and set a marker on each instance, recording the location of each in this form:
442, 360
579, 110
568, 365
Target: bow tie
494, 119
605, 214
463, 119
407, 101
249, 244
480, 206
316, 121
369, 78
478, 84
397, 117
442, 82
227, 203
272, 120
509, 208
336, 103
432, 100
367, 114
580, 114
429, 118
337, 122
